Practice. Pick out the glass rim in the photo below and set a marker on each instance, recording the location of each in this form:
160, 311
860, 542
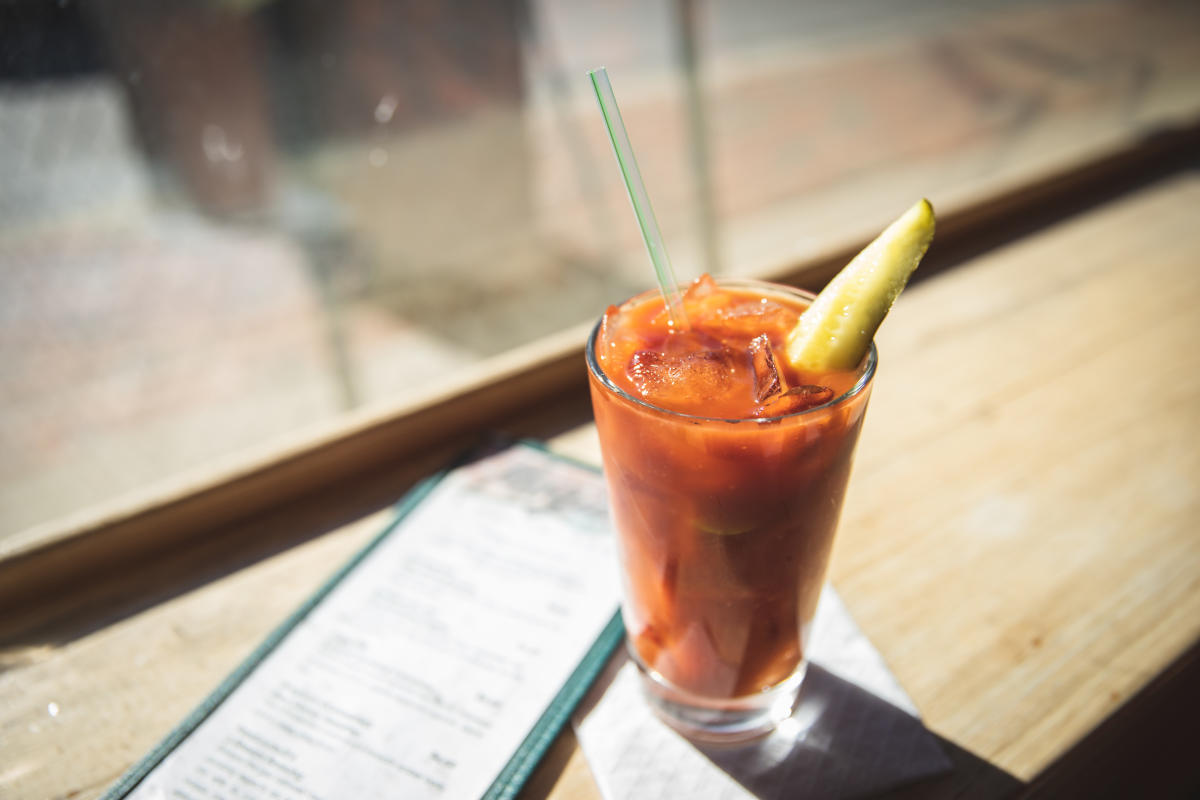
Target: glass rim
863, 380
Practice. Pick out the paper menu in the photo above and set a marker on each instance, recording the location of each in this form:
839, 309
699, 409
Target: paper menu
423, 669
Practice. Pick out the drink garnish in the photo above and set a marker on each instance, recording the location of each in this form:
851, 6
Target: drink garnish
835, 332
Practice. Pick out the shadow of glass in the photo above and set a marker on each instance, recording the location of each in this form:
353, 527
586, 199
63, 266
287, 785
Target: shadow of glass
843, 741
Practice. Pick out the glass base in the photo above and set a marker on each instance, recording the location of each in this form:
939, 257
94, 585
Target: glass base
721, 720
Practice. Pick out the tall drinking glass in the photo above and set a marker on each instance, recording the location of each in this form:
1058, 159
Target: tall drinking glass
724, 526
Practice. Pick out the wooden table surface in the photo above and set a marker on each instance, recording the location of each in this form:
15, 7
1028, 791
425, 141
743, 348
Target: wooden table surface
1019, 540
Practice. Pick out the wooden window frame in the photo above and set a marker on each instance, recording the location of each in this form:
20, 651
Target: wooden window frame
364, 460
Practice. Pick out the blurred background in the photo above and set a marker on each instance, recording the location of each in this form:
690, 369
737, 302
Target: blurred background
224, 222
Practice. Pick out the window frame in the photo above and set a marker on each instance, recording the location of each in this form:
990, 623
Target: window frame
364, 460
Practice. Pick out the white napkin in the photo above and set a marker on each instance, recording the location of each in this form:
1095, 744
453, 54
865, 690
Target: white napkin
854, 732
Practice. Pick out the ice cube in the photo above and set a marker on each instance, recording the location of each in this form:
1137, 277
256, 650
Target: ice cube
682, 381
768, 382
755, 316
798, 398
702, 299
702, 287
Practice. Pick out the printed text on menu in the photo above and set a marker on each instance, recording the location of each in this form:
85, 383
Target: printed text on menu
423, 670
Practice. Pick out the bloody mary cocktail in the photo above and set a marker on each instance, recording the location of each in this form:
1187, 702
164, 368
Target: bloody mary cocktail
726, 471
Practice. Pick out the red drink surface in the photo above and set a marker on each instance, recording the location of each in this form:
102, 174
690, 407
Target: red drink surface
725, 491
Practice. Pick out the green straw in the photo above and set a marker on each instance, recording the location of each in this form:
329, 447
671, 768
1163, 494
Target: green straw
638, 198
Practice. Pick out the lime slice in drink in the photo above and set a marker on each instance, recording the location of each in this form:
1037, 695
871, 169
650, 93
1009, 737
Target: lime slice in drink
835, 332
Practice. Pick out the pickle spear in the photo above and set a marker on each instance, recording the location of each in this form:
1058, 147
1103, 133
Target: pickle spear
835, 332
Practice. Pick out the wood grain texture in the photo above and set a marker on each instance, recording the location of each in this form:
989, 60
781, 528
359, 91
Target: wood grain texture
120, 690
1019, 539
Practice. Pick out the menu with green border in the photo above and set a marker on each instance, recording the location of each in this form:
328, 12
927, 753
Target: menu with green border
439, 663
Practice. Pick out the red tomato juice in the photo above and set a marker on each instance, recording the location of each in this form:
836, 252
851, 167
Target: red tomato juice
726, 473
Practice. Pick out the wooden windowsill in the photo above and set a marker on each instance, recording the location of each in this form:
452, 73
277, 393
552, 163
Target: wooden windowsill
368, 458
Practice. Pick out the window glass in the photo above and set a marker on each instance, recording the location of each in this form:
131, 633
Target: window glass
225, 221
